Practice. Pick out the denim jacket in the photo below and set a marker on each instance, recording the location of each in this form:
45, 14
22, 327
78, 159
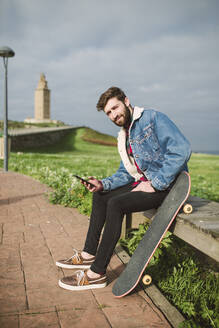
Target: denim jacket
159, 148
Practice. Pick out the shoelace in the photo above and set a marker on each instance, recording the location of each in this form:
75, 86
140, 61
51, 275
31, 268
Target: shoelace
76, 255
80, 277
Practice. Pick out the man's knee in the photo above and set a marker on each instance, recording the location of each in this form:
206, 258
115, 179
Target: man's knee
114, 205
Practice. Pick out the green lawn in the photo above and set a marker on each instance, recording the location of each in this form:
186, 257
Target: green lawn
76, 156
204, 171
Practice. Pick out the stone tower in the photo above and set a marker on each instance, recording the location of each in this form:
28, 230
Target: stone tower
42, 100
41, 103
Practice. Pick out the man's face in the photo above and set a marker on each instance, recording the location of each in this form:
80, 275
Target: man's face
118, 112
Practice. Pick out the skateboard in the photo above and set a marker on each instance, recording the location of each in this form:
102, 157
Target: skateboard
162, 220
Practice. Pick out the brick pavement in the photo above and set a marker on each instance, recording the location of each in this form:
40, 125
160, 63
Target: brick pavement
33, 235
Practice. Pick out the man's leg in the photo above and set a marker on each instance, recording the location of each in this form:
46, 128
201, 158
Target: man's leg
117, 206
98, 217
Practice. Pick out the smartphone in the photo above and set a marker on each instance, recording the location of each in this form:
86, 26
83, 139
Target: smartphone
91, 184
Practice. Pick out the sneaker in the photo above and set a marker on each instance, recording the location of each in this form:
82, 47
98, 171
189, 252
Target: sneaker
76, 262
80, 281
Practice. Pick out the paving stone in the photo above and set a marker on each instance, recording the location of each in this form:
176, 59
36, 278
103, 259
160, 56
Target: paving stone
4, 209
35, 256
69, 227
12, 277
16, 218
12, 298
50, 228
83, 318
78, 220
39, 320
50, 210
9, 321
60, 247
9, 258
13, 228
3, 218
34, 218
14, 209
33, 248
45, 277
12, 238
53, 296
33, 233
30, 204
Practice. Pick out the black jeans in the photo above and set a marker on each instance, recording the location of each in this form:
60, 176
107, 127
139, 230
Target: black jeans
109, 209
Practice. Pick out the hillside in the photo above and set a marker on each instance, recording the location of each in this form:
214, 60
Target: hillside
93, 136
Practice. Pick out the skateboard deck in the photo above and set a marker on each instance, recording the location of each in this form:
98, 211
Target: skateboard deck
165, 215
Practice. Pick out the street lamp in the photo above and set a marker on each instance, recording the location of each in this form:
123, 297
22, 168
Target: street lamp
6, 52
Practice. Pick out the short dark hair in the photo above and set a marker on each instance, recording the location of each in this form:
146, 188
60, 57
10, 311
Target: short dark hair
108, 94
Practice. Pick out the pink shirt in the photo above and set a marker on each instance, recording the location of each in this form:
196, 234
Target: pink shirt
130, 153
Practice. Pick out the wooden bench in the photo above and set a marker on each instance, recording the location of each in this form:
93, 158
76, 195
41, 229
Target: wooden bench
199, 229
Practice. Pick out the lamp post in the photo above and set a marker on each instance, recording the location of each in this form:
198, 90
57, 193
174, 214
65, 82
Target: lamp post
6, 52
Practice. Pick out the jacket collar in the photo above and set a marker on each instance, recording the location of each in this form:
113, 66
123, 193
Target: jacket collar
136, 115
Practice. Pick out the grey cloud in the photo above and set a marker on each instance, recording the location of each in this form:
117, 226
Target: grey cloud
164, 54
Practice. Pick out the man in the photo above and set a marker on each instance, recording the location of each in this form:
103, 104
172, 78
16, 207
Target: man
153, 152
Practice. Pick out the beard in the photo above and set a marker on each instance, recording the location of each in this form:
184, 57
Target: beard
126, 118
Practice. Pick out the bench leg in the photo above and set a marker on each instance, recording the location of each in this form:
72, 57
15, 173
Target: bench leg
126, 225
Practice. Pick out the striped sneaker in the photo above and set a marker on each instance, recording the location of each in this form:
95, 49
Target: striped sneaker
80, 281
75, 262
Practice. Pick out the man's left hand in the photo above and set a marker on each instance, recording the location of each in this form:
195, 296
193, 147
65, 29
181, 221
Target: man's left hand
144, 186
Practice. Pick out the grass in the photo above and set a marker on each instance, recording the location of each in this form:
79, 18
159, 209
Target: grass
95, 137
23, 125
204, 171
177, 271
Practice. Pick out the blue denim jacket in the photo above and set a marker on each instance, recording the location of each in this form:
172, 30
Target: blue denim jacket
159, 148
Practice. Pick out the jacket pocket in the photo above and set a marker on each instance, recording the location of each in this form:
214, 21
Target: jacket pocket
147, 144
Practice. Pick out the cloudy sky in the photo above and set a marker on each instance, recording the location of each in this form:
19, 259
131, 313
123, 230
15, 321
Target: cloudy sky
163, 53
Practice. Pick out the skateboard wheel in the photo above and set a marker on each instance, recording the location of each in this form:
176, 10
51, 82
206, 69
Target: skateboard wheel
147, 279
187, 208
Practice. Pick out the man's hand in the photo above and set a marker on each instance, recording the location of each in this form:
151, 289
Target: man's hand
97, 185
144, 186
